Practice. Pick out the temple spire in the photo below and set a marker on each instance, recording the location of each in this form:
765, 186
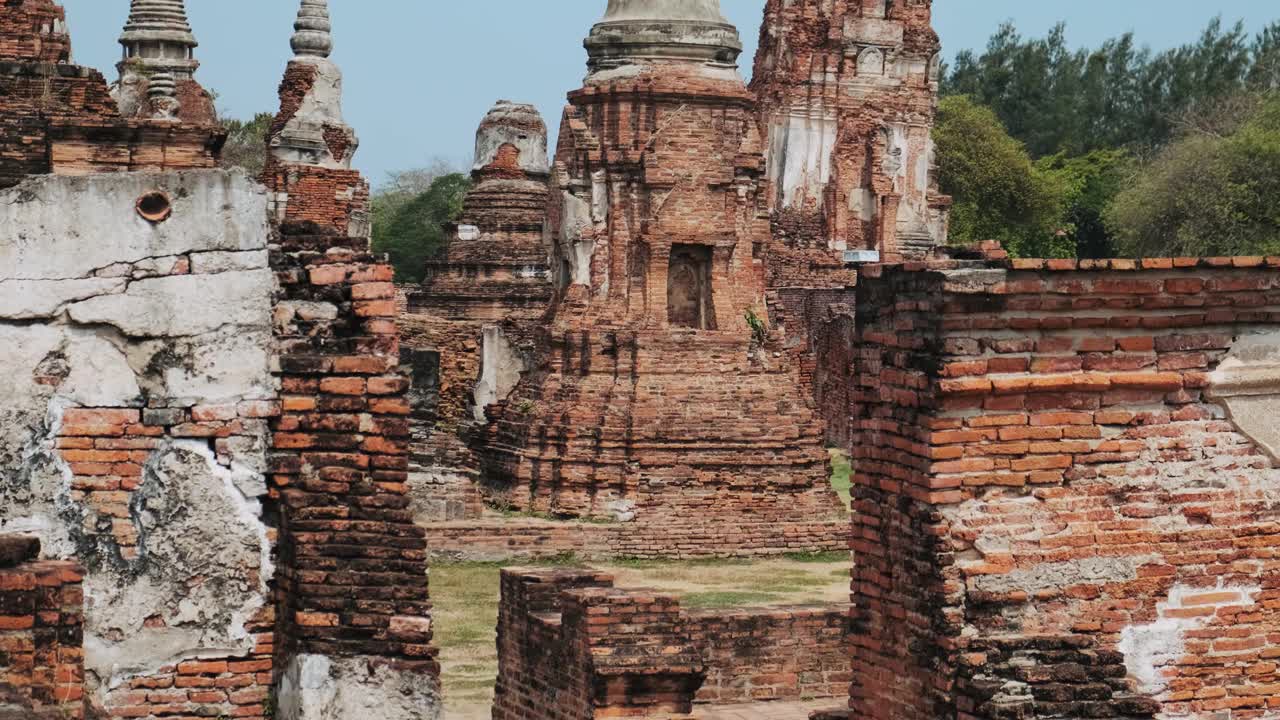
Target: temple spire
157, 42
159, 38
646, 32
312, 36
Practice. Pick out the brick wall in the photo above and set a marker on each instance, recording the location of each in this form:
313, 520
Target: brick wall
570, 648
41, 635
352, 574
680, 535
772, 654
34, 31
572, 645
1046, 493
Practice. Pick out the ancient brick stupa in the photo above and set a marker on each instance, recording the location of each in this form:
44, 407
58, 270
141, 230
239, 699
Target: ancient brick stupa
847, 93
158, 42
310, 146
661, 400
471, 324
57, 117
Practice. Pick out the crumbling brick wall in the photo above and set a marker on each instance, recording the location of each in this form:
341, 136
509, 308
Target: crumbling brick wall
41, 634
568, 650
772, 654
34, 31
352, 576
1057, 477
570, 645
58, 117
847, 92
134, 433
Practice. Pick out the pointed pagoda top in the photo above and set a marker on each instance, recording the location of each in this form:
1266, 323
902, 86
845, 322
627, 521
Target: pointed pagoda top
312, 36
157, 21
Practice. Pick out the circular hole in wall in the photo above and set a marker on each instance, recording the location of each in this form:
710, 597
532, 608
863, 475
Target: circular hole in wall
154, 207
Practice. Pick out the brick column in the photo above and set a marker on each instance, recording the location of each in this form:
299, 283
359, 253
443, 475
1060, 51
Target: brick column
1062, 507
41, 635
353, 572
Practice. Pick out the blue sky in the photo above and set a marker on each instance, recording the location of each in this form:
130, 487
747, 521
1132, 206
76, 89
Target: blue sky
422, 73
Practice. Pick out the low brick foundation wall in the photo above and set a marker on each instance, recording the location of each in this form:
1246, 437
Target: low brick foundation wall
534, 539
41, 635
570, 640
773, 654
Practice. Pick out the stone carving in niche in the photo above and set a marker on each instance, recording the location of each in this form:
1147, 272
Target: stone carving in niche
689, 287
871, 62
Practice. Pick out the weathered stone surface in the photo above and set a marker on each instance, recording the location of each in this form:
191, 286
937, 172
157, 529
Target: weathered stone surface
162, 506
325, 688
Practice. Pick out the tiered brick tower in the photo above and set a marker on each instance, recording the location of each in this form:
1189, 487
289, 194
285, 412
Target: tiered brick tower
661, 399
158, 42
470, 327
847, 92
59, 118
310, 145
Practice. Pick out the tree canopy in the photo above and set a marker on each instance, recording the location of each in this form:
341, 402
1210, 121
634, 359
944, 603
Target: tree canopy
246, 146
1207, 194
1115, 150
410, 224
1119, 95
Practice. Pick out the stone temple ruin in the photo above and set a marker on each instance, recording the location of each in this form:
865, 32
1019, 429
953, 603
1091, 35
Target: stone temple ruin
232, 444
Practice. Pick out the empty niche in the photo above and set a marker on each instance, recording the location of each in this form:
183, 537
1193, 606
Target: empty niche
689, 287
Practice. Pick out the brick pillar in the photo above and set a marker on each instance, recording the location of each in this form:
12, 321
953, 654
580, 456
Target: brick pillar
353, 572
1065, 475
41, 635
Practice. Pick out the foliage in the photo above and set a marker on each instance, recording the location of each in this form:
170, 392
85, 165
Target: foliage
246, 146
411, 226
1213, 192
759, 331
1089, 183
999, 193
1119, 95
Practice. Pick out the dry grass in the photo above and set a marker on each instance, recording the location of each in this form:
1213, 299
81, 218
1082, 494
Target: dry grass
466, 606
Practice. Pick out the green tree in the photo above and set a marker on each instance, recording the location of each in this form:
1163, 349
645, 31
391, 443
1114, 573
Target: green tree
1055, 99
412, 228
999, 193
1090, 183
1212, 192
246, 146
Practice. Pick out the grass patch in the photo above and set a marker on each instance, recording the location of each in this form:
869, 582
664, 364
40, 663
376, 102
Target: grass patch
465, 596
835, 556
719, 599
842, 475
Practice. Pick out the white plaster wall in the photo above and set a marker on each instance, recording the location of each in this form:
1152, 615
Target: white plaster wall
101, 309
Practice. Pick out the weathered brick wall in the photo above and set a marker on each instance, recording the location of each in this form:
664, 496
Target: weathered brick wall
134, 428
684, 535
60, 118
352, 574
570, 648
847, 92
1046, 490
34, 31
41, 635
772, 654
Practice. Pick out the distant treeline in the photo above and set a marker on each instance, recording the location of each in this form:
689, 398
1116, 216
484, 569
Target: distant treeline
1116, 150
